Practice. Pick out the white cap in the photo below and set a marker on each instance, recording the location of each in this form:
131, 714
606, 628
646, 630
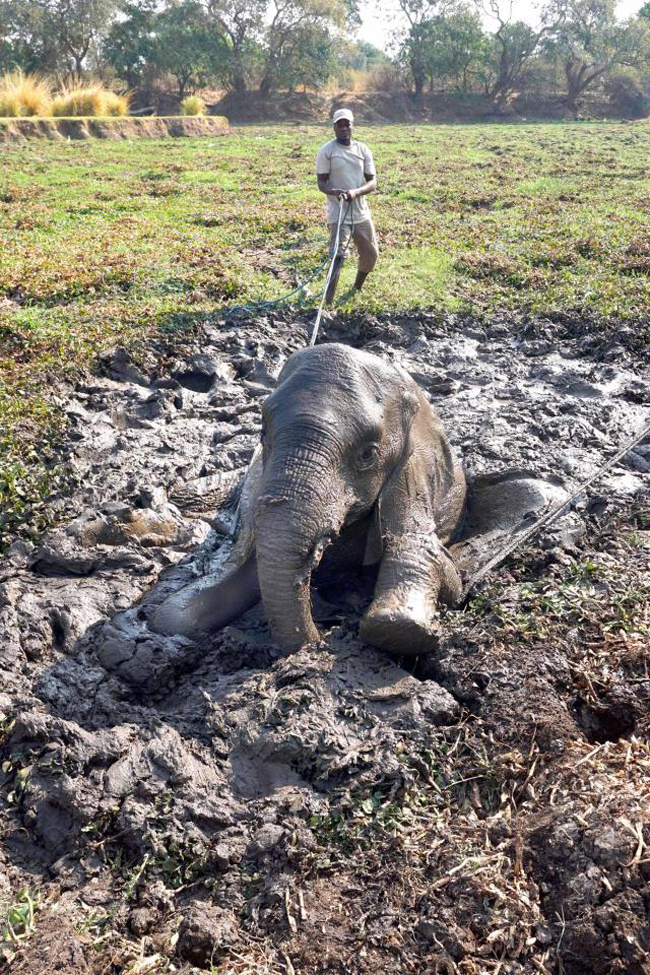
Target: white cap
343, 113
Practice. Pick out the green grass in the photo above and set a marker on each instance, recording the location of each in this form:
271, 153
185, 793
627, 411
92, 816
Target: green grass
103, 242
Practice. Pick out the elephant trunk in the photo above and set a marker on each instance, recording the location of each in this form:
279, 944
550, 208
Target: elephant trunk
294, 524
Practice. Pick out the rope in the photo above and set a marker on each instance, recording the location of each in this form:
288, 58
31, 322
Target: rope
314, 332
551, 515
274, 302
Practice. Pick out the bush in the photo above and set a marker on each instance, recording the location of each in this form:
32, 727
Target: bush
192, 105
90, 101
9, 105
387, 77
23, 95
116, 105
627, 93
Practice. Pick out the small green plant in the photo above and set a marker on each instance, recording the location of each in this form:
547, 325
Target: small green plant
17, 924
192, 105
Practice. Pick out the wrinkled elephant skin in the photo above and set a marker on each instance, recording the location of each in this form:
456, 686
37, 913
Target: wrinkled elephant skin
348, 441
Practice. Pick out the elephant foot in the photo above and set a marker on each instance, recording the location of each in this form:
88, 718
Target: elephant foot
403, 622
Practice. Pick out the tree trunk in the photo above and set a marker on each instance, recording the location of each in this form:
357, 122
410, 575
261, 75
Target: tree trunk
237, 72
266, 84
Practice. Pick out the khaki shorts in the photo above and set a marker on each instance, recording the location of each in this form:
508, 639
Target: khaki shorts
365, 239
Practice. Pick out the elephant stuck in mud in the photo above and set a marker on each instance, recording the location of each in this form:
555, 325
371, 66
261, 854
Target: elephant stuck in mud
353, 457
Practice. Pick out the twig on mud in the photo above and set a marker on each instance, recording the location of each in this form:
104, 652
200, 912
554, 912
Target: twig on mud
594, 751
540, 967
560, 965
287, 961
291, 921
637, 832
302, 912
480, 861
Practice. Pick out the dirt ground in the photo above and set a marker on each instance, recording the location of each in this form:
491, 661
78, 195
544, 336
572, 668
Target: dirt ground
400, 107
172, 807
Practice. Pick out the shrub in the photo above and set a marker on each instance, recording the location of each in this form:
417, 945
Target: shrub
387, 77
23, 95
192, 105
9, 104
90, 101
116, 105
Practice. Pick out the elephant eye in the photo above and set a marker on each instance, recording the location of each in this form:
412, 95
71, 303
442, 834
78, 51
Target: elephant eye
368, 455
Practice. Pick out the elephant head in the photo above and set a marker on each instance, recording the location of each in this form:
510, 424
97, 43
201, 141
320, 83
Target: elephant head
344, 434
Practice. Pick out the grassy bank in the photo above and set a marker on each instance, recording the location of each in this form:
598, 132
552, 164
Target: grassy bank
114, 242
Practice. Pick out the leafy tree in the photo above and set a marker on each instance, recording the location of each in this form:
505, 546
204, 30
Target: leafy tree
589, 42
418, 14
360, 55
292, 20
56, 35
310, 58
9, 58
513, 45
242, 23
645, 11
189, 45
453, 45
129, 44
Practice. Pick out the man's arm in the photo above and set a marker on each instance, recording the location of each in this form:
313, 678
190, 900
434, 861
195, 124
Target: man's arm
369, 186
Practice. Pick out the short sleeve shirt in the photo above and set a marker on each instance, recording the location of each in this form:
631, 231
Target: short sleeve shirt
346, 167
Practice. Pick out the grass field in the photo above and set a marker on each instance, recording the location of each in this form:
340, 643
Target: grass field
105, 242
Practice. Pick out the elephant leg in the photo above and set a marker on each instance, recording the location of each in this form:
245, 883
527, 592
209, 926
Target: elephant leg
415, 573
209, 603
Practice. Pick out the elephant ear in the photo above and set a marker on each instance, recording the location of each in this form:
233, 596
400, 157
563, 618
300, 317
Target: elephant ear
427, 480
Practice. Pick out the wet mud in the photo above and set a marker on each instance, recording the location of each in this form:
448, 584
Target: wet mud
186, 791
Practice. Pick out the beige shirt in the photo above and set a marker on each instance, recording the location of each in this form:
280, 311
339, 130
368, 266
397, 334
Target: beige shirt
346, 167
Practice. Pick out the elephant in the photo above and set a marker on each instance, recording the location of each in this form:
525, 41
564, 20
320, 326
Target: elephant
352, 455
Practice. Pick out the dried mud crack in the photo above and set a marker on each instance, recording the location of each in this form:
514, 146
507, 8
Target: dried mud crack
169, 807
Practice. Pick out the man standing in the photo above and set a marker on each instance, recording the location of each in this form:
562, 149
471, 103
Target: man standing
345, 168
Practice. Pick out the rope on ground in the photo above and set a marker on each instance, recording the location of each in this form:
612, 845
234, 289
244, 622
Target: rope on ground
551, 515
275, 302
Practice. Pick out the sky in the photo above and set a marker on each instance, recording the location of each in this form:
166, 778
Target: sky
377, 28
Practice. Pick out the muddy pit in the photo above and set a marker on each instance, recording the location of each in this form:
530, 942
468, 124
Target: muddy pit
334, 810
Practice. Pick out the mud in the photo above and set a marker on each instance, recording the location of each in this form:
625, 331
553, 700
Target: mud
145, 775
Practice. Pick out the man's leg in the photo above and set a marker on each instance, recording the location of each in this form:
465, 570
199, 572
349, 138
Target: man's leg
346, 230
365, 239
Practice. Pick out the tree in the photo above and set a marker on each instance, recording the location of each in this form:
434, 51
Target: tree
310, 58
453, 45
589, 42
645, 11
242, 23
418, 14
129, 44
513, 45
189, 45
57, 35
292, 20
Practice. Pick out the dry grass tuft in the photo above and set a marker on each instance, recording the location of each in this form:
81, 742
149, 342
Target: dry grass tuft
116, 105
192, 105
91, 101
23, 95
